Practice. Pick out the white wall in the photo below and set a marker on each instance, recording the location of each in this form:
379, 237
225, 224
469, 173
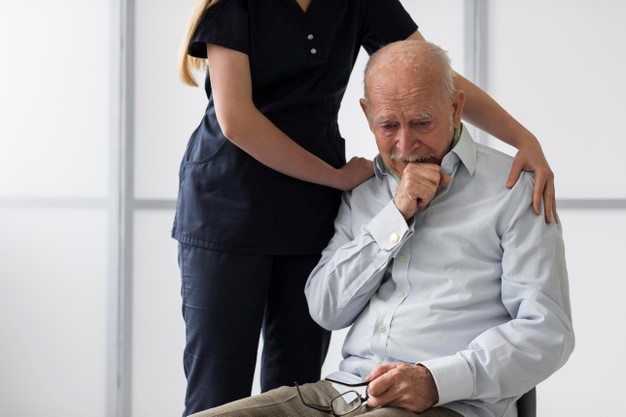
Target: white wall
166, 112
554, 65
559, 67
55, 136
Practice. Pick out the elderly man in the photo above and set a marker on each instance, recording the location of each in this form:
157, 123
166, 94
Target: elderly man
456, 292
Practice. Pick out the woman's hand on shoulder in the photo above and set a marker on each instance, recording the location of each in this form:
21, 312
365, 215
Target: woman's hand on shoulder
530, 157
355, 172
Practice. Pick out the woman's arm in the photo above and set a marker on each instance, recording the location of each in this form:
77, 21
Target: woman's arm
485, 113
250, 130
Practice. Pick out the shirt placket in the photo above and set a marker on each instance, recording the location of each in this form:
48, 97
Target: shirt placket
400, 274
312, 38
379, 341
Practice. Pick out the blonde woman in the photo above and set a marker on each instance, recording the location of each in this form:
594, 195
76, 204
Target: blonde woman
261, 179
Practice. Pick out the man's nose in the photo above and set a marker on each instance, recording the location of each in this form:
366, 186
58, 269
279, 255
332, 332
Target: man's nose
407, 141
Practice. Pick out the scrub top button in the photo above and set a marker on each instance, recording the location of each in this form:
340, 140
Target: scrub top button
313, 51
310, 36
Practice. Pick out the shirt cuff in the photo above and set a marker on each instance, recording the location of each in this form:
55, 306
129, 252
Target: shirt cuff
453, 378
388, 228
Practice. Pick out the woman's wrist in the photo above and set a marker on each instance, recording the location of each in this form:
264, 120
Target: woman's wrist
341, 180
526, 140
334, 178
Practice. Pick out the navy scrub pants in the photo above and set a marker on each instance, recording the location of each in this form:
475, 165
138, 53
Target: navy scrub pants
227, 299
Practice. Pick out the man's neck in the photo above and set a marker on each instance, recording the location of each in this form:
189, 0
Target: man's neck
456, 137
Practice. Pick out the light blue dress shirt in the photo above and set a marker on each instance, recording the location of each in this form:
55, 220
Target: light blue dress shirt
475, 288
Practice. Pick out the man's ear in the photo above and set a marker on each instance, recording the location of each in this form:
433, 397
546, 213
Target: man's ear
363, 103
458, 99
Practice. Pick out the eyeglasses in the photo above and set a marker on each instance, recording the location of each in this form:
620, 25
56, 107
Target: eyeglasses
342, 404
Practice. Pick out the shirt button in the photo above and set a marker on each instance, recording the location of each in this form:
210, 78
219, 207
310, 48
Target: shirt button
401, 294
313, 51
310, 36
401, 259
378, 358
394, 238
381, 328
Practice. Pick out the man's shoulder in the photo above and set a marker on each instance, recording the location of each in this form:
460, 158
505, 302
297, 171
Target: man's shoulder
497, 165
493, 156
371, 188
370, 195
491, 174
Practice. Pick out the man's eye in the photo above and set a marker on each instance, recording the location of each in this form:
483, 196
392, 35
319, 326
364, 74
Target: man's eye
388, 126
423, 123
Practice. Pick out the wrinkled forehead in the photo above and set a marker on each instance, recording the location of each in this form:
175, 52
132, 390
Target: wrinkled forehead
404, 93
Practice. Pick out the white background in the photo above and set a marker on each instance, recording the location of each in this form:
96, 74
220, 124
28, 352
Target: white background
557, 66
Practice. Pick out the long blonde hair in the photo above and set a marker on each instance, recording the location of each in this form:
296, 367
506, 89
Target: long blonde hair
187, 63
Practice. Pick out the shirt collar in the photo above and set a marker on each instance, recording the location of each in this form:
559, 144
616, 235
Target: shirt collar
463, 150
380, 169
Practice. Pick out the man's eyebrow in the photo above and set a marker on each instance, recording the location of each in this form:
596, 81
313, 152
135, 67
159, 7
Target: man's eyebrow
425, 115
382, 119
387, 118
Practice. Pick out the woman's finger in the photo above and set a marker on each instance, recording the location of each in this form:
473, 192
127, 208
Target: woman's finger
538, 192
514, 173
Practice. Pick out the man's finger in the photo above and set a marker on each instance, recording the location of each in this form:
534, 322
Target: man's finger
445, 179
379, 370
382, 383
387, 397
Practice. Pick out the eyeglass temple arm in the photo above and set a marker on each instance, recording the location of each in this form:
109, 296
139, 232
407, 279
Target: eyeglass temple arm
318, 407
358, 384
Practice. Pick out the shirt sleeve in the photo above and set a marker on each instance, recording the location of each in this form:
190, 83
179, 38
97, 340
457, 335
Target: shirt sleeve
510, 359
225, 24
386, 21
353, 265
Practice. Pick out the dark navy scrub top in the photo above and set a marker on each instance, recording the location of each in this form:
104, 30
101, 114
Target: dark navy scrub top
300, 65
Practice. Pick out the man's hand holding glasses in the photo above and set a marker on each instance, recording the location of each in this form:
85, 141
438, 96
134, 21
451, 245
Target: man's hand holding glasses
401, 385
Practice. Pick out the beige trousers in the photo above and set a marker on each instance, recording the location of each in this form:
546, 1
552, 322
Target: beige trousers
285, 402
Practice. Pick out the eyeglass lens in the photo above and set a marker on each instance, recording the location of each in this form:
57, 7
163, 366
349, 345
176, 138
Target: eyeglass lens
346, 403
